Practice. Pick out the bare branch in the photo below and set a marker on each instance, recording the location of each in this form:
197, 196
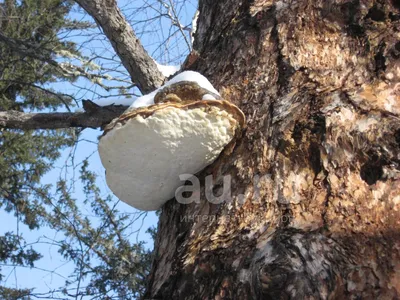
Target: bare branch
134, 57
94, 116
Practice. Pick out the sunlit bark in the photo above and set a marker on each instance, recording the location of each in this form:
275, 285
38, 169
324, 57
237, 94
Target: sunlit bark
318, 164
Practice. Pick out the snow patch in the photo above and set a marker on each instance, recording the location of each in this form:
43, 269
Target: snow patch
194, 26
191, 76
115, 101
208, 97
145, 100
167, 70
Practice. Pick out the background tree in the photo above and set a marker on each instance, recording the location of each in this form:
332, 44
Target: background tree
315, 176
26, 65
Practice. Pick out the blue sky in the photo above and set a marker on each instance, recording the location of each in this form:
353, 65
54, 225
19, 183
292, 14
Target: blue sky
172, 52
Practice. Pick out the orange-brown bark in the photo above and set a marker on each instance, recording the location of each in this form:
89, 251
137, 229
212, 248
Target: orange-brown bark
318, 165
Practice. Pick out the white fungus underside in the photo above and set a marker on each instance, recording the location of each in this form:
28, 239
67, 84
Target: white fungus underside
144, 157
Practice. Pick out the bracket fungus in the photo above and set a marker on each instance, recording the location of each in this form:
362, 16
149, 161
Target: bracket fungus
184, 129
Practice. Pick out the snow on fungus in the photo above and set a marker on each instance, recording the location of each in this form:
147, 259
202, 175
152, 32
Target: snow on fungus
146, 149
167, 70
187, 76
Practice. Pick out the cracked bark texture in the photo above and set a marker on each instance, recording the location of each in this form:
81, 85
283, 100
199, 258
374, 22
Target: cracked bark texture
318, 165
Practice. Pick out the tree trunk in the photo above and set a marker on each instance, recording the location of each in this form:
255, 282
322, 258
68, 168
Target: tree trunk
318, 164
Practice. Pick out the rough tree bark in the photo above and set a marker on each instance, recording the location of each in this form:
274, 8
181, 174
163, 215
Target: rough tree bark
319, 162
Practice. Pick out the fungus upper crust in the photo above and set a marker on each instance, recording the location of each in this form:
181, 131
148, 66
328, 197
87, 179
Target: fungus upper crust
145, 150
183, 91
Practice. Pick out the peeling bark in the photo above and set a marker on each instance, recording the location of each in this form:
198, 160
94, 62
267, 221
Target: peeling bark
135, 59
318, 166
